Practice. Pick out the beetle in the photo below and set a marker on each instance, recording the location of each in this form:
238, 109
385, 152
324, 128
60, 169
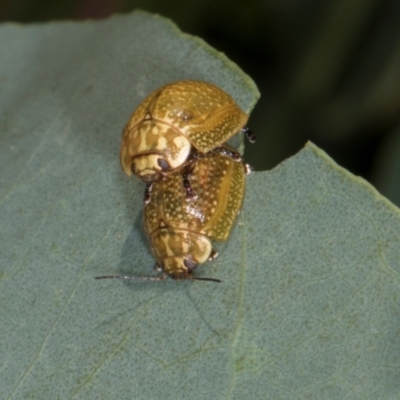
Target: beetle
180, 230
173, 122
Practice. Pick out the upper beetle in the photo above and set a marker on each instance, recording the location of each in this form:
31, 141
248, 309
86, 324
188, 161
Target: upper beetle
162, 132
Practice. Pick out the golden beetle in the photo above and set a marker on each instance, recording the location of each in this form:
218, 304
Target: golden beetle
172, 121
180, 230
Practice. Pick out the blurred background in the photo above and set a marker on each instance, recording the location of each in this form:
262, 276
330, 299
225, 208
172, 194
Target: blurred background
328, 70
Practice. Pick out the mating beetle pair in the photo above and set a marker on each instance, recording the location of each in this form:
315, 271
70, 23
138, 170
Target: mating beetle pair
174, 141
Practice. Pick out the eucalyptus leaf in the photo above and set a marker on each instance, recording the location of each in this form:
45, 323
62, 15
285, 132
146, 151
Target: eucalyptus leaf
309, 303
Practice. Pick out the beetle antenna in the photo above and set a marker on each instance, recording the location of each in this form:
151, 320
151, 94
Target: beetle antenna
150, 278
134, 278
207, 279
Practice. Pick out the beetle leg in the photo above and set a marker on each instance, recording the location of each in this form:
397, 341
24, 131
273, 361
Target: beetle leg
147, 192
157, 267
230, 153
248, 169
195, 155
190, 194
213, 255
250, 135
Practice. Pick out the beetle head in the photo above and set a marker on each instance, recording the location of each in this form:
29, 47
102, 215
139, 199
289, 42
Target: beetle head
181, 268
178, 267
149, 167
152, 148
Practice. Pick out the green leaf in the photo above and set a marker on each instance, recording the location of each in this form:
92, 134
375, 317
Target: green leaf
309, 303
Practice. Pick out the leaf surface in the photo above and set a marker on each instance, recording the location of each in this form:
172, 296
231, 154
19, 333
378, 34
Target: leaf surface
309, 303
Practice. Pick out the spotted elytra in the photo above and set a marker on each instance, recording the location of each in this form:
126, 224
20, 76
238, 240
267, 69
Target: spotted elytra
175, 121
179, 230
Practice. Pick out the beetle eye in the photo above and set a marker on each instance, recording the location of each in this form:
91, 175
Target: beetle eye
163, 164
189, 264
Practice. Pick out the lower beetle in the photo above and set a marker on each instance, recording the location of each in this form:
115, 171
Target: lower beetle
180, 229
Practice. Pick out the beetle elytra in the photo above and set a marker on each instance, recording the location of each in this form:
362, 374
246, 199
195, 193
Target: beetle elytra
175, 120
